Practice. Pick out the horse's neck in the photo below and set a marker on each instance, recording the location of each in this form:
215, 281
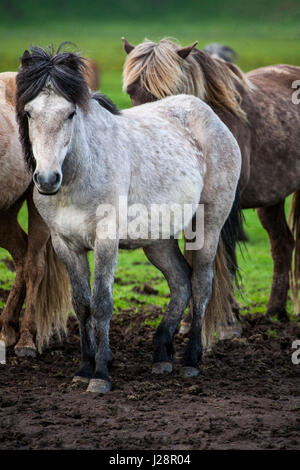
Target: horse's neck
89, 163
90, 140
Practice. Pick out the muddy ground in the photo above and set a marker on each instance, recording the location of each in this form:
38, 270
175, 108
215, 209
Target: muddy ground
246, 397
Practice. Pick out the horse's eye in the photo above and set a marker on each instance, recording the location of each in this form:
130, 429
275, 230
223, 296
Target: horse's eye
72, 115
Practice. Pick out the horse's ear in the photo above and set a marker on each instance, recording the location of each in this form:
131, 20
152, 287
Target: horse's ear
185, 51
25, 58
127, 46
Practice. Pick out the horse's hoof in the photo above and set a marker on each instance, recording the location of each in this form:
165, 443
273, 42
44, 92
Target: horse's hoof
184, 329
189, 371
80, 379
99, 386
162, 368
280, 313
25, 351
8, 336
231, 332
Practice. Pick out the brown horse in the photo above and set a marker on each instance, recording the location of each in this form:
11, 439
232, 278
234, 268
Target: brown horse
41, 278
92, 74
259, 110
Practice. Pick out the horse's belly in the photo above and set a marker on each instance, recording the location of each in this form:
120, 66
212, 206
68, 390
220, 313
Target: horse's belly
271, 180
164, 215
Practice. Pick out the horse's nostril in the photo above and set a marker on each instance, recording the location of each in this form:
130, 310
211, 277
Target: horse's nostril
57, 178
35, 177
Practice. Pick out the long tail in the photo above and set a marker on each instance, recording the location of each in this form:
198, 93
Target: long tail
230, 236
54, 301
219, 312
294, 221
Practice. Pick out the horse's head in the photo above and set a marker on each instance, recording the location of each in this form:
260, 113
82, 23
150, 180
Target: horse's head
50, 90
155, 70
50, 123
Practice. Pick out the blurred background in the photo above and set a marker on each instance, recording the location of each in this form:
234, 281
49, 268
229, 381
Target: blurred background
262, 32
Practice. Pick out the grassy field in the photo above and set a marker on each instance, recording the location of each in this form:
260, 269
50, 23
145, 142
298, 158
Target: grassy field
258, 42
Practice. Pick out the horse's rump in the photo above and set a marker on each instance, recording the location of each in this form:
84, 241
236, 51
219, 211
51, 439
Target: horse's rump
13, 176
8, 87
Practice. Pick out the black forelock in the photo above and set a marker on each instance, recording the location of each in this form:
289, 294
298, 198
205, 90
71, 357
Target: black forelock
64, 70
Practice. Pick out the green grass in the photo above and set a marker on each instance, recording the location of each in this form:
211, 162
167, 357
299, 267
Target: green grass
259, 40
256, 43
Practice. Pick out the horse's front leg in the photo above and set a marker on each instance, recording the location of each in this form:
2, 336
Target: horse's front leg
282, 243
77, 266
106, 256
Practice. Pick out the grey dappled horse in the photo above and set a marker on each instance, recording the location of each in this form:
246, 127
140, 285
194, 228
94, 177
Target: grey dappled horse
86, 156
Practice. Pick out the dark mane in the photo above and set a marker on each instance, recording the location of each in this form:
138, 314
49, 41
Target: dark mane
64, 70
106, 103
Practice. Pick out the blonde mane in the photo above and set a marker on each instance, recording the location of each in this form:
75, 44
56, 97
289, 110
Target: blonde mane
162, 72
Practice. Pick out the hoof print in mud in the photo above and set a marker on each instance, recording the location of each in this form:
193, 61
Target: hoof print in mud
79, 379
162, 368
189, 372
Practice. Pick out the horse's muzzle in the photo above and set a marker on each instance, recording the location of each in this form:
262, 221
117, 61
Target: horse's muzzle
47, 183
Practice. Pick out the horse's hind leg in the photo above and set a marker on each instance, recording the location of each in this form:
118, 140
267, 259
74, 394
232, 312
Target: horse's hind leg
167, 257
14, 240
282, 243
202, 278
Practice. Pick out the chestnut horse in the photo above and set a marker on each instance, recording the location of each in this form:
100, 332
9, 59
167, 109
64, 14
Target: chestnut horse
92, 74
258, 109
41, 278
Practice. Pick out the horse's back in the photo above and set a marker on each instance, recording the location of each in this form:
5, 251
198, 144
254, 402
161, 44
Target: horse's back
196, 134
279, 73
275, 79
184, 111
8, 88
14, 179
